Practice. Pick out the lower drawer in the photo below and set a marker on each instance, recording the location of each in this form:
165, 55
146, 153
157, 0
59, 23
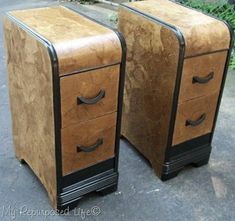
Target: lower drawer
88, 143
194, 118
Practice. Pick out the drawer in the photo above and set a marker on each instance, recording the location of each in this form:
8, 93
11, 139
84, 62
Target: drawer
88, 143
88, 95
202, 75
194, 118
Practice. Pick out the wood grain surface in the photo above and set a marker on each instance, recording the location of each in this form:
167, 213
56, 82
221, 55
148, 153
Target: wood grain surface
88, 85
202, 33
86, 134
201, 66
192, 110
31, 101
152, 60
79, 42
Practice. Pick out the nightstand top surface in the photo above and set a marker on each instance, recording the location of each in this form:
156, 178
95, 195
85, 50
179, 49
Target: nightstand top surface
201, 32
80, 43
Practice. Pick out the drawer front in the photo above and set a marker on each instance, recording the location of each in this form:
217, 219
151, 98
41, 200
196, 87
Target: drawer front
87, 95
202, 75
88, 143
194, 118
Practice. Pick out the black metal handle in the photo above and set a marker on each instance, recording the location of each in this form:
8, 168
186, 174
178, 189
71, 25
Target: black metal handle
203, 80
97, 98
90, 148
196, 122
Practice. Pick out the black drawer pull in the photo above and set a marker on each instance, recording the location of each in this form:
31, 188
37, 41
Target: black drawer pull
203, 80
196, 122
91, 148
83, 100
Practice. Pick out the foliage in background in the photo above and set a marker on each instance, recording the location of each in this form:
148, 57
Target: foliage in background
114, 18
87, 2
220, 9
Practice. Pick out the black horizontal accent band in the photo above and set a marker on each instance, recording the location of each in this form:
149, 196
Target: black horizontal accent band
76, 191
190, 145
188, 157
86, 173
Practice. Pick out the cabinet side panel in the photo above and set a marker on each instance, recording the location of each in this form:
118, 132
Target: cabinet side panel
151, 69
31, 98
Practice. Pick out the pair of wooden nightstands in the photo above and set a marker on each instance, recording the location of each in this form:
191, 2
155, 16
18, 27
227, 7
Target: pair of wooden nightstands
66, 81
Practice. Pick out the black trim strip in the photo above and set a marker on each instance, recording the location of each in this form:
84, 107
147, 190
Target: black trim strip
190, 145
77, 185
91, 171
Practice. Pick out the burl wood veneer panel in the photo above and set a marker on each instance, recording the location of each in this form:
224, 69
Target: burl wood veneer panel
88, 85
30, 86
86, 134
195, 26
79, 42
149, 84
193, 110
202, 66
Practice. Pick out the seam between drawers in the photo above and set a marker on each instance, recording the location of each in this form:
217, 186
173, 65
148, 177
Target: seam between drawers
107, 113
199, 97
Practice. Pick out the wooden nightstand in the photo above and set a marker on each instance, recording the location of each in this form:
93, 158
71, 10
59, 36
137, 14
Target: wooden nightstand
177, 59
66, 77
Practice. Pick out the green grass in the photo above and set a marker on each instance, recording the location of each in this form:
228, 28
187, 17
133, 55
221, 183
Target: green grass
220, 9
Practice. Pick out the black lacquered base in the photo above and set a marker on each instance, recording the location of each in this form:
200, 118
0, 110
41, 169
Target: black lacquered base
107, 189
101, 178
196, 157
103, 185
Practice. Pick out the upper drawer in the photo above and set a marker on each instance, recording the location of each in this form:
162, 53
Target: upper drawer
88, 95
202, 75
